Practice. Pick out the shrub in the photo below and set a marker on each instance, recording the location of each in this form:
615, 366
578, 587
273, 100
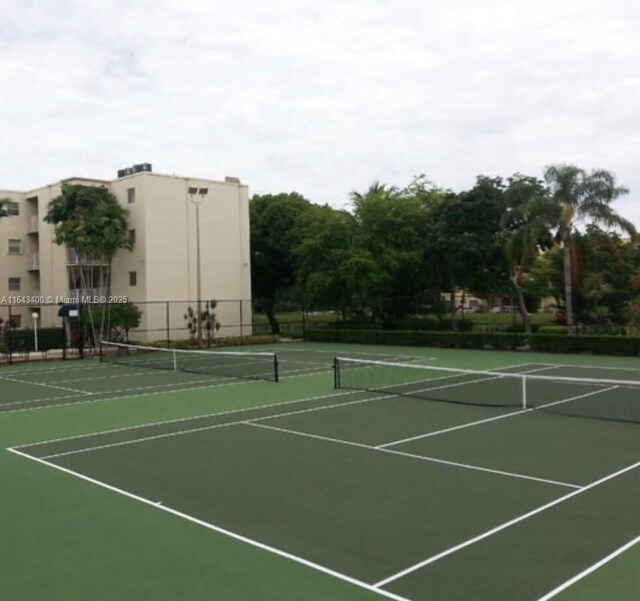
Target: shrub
23, 340
420, 338
553, 330
599, 345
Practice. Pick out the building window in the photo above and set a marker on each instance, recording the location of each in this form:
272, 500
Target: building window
14, 284
16, 321
13, 208
133, 278
131, 195
15, 246
132, 236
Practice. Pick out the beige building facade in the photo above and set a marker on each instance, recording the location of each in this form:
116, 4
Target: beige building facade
169, 218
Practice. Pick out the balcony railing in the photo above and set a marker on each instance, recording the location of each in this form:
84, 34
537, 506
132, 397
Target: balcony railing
34, 225
87, 294
33, 262
74, 258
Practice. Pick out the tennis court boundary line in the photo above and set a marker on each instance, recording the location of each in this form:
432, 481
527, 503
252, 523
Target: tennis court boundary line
134, 397
43, 384
467, 466
495, 418
202, 429
184, 419
501, 527
228, 533
207, 415
596, 566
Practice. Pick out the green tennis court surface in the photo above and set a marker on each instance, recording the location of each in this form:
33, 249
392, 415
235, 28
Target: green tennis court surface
136, 482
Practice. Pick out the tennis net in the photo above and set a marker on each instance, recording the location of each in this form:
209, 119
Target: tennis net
251, 365
617, 400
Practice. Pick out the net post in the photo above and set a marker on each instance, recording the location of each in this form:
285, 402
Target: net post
275, 368
336, 373
175, 360
101, 351
524, 392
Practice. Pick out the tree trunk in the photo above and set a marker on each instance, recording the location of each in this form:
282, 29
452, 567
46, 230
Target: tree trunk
271, 316
452, 305
568, 282
522, 307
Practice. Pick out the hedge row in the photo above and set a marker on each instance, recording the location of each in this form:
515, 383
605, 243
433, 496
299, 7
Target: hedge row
24, 340
416, 338
554, 343
218, 342
584, 343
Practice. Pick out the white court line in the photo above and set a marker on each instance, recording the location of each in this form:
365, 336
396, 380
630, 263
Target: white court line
118, 390
148, 372
334, 353
590, 570
39, 400
148, 424
204, 428
212, 384
453, 428
218, 529
184, 419
84, 392
502, 527
337, 394
467, 466
59, 368
494, 418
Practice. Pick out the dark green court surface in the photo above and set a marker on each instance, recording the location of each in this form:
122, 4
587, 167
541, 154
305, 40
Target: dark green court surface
136, 483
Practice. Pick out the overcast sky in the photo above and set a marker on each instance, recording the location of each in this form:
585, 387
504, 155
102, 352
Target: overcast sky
321, 97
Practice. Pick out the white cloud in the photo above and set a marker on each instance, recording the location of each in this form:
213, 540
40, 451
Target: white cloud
321, 97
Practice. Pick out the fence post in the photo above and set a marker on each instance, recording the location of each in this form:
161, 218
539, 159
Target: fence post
8, 338
304, 322
168, 322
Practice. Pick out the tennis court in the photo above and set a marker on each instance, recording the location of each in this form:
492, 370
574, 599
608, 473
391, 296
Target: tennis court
506, 482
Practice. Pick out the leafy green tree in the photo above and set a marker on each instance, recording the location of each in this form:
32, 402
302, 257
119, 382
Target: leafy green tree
526, 224
90, 220
325, 247
276, 231
3, 207
606, 266
123, 317
391, 226
580, 195
463, 246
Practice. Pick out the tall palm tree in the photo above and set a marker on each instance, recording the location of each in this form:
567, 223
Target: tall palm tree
582, 196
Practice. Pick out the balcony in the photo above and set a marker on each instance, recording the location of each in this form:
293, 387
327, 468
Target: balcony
33, 225
33, 262
74, 258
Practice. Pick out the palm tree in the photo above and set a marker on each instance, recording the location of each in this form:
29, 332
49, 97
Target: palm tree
581, 196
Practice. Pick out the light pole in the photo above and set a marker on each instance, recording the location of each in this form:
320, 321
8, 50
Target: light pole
35, 315
201, 193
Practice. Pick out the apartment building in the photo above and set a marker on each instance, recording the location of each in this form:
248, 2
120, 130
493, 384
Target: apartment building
191, 236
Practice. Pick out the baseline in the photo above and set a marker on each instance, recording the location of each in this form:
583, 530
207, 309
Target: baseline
501, 527
218, 529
